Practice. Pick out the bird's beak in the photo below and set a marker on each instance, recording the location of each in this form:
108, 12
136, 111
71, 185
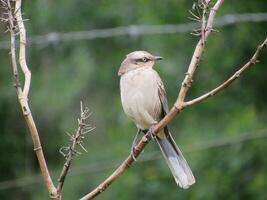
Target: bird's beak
158, 58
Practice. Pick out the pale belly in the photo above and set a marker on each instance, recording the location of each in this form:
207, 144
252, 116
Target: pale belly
139, 96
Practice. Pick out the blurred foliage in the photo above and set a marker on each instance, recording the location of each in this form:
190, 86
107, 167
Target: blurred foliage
67, 72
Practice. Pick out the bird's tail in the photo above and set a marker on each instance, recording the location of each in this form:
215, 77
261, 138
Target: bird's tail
180, 170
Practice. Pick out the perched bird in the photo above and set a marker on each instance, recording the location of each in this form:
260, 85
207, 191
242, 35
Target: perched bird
144, 101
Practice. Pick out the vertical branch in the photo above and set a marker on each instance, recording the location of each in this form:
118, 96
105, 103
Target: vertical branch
22, 46
12, 30
205, 31
16, 21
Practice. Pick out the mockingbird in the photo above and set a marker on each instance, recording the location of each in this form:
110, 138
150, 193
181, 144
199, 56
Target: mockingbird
144, 101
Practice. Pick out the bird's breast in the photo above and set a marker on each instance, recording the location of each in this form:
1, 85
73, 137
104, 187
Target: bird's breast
139, 96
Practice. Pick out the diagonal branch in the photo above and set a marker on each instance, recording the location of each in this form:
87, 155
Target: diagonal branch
178, 106
15, 21
236, 75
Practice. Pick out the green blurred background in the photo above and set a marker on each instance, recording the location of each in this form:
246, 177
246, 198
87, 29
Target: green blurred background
223, 138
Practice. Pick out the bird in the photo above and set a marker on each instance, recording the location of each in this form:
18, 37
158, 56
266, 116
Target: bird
144, 101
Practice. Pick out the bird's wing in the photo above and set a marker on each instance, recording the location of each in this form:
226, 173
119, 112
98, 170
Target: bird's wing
164, 105
163, 98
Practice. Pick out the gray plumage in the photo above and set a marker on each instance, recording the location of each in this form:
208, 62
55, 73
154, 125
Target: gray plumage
144, 101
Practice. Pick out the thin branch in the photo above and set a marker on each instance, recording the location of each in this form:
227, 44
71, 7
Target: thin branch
76, 139
155, 129
203, 25
119, 171
12, 31
236, 75
22, 51
197, 53
15, 17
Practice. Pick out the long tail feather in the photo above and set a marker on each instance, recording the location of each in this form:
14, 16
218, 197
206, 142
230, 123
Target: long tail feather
181, 171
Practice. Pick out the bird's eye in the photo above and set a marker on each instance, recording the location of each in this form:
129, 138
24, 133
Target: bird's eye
144, 59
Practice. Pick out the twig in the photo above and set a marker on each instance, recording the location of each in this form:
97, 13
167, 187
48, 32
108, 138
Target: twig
203, 25
236, 75
120, 170
23, 93
22, 52
76, 139
178, 106
197, 54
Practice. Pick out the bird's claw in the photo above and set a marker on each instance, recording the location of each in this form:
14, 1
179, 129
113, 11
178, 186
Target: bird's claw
134, 144
132, 153
151, 132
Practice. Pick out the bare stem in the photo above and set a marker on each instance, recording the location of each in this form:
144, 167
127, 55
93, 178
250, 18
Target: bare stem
16, 17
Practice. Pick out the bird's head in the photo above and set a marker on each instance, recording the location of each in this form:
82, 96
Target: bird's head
137, 59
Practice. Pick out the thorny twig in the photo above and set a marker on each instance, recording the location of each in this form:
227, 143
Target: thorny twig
75, 140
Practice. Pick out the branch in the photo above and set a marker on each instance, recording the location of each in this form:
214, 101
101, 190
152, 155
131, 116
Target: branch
236, 75
15, 17
22, 51
205, 31
76, 139
178, 106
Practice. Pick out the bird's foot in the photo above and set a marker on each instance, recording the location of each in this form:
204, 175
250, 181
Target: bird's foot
134, 144
132, 153
151, 132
